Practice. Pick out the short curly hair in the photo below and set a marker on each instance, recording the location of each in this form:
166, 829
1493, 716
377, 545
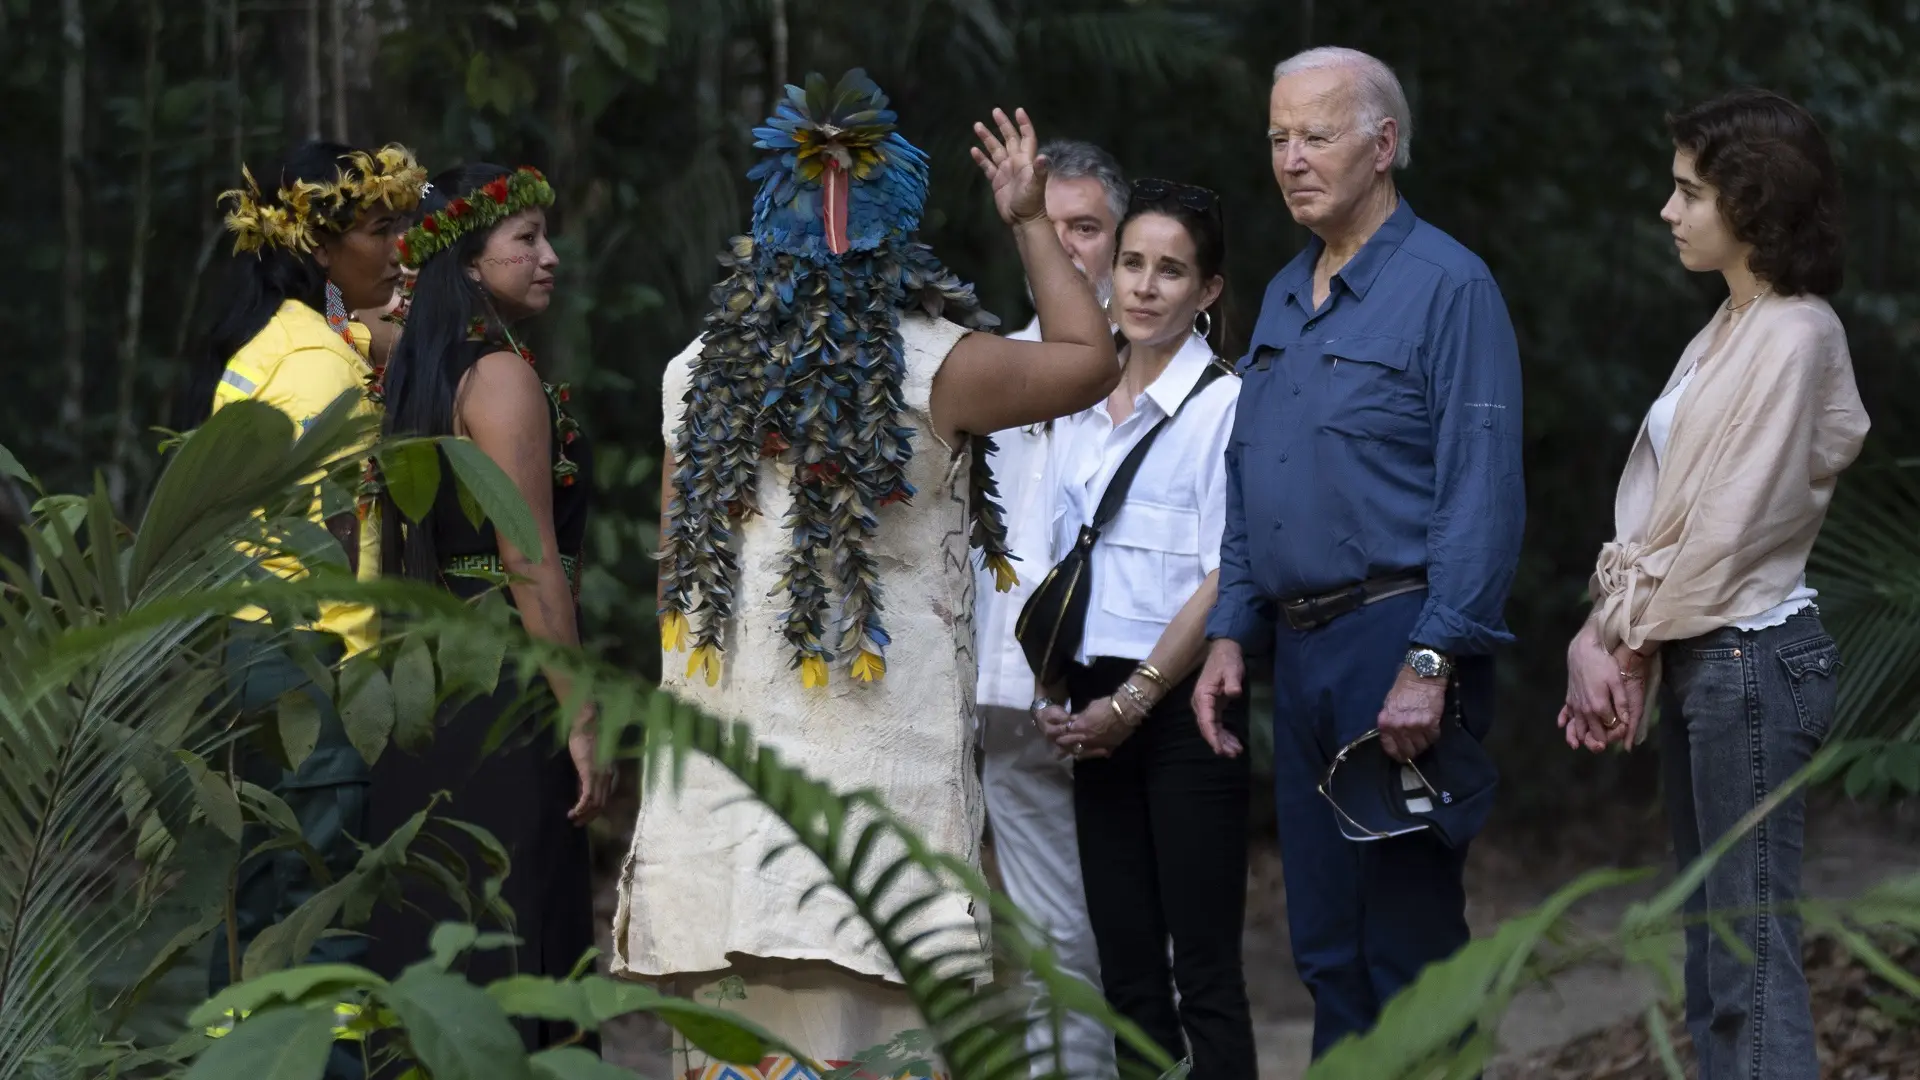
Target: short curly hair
1779, 188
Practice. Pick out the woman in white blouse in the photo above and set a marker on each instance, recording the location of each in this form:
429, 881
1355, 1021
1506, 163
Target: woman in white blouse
1162, 819
1704, 586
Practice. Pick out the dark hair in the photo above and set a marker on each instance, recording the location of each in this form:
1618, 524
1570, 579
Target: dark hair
258, 282
1779, 188
1199, 212
424, 372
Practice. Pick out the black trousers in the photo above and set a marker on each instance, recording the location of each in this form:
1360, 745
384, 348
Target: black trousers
1163, 848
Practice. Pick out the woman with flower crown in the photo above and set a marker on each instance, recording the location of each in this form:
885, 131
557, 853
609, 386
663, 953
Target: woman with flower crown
823, 445
485, 265
317, 241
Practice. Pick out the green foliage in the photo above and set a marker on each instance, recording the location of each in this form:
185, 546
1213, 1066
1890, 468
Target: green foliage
64, 909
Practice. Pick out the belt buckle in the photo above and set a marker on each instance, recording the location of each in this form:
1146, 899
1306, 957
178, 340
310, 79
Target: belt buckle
1318, 611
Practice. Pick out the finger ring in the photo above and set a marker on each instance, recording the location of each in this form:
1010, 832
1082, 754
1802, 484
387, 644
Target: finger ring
1613, 722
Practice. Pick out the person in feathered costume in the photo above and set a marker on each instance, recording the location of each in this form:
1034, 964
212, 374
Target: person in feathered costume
803, 476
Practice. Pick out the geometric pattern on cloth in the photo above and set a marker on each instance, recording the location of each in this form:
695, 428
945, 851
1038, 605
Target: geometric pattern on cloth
491, 564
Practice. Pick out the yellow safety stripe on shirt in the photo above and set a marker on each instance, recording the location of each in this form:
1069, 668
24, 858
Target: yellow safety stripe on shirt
240, 381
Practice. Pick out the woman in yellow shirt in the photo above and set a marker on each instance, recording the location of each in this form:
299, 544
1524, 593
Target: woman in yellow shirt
321, 232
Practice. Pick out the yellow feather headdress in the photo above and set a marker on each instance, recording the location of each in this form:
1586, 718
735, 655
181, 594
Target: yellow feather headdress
292, 220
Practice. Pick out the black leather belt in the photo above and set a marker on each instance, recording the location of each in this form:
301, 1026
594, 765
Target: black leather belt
1307, 612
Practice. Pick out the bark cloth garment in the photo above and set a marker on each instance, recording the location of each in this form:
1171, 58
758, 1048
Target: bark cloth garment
695, 902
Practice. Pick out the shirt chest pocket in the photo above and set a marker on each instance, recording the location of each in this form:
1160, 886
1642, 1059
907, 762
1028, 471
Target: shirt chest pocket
1148, 562
1374, 390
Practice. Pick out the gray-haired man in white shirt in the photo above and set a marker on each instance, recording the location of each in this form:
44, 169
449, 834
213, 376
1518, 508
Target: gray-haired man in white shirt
1029, 790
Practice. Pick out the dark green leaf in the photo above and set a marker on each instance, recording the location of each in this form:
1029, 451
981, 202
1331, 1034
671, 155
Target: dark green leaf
544, 999
457, 1031
495, 493
413, 693
449, 940
411, 472
299, 726
10, 466
270, 808
470, 661
286, 1044
716, 1033
306, 984
574, 1063
605, 36
290, 940
213, 793
469, 505
366, 706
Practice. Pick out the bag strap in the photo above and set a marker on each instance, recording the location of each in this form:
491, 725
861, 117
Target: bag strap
1116, 494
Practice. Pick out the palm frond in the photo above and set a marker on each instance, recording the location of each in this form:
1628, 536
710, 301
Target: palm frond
1151, 43
88, 737
1866, 567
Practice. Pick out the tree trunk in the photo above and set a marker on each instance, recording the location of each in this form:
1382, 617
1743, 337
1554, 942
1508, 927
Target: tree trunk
314, 92
124, 429
780, 36
337, 40
73, 101
235, 100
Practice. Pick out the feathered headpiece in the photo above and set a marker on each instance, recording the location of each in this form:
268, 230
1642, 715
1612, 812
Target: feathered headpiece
299, 211
802, 362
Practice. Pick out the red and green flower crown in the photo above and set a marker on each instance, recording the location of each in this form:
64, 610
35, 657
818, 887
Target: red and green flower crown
480, 209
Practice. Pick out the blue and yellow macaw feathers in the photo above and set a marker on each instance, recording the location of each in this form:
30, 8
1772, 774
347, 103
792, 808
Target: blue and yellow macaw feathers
851, 123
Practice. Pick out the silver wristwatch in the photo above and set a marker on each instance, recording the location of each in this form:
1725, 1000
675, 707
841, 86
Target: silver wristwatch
1429, 663
1039, 703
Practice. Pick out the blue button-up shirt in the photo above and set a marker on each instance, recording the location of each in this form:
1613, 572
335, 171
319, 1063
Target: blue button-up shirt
1377, 435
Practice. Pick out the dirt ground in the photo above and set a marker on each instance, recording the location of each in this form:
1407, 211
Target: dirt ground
1587, 1022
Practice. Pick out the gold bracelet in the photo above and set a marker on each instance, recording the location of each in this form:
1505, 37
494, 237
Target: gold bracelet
1153, 673
1126, 721
1139, 697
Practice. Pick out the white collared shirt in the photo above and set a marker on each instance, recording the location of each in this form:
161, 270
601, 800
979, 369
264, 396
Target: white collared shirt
1165, 540
1019, 464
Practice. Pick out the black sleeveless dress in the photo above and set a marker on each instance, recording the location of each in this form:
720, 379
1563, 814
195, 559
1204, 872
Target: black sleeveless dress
520, 791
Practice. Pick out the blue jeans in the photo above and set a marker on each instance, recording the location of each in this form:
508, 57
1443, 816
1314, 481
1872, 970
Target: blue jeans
1365, 918
1741, 712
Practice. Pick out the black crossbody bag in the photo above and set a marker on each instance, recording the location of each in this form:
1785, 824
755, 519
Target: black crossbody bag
1054, 618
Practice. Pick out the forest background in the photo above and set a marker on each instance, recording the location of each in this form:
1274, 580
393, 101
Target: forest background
1537, 141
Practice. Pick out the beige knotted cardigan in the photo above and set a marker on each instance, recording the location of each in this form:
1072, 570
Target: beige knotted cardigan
1721, 530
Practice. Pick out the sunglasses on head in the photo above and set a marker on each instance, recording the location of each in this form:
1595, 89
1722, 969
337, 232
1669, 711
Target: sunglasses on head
1191, 196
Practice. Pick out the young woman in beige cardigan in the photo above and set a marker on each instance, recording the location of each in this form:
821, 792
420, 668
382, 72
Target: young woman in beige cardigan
1702, 596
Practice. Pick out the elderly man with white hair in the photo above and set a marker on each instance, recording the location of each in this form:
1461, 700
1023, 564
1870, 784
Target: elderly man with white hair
1374, 512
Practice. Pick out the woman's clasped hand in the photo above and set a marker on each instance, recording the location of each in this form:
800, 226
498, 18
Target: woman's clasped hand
1104, 724
1606, 693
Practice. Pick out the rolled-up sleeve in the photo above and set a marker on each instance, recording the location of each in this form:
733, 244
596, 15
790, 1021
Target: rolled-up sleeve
1479, 507
1240, 611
